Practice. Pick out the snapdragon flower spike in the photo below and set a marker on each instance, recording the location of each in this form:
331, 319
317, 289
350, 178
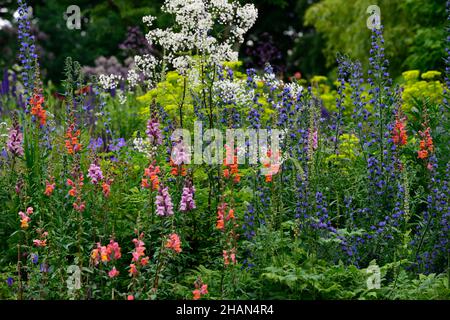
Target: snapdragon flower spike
113, 273
154, 132
151, 173
138, 254
201, 289
187, 202
95, 173
164, 206
180, 153
37, 110
24, 219
15, 140
49, 188
107, 253
399, 136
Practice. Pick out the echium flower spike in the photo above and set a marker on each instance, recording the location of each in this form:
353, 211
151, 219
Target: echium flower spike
27, 48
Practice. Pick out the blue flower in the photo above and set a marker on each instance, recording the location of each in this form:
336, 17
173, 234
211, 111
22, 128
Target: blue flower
10, 281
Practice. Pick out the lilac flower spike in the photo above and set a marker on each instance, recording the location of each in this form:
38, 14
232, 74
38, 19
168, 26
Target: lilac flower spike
164, 206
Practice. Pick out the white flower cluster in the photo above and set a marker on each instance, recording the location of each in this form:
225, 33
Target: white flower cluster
133, 78
232, 92
294, 88
192, 33
144, 146
109, 82
270, 79
146, 64
148, 20
122, 97
182, 64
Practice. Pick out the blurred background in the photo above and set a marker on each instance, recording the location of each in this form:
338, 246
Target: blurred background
298, 37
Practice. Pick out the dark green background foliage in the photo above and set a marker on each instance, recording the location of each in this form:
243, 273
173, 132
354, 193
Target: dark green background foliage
318, 30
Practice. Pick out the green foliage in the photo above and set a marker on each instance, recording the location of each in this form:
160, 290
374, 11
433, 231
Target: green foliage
414, 34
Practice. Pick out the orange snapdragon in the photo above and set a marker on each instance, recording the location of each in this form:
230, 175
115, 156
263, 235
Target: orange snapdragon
426, 144
72, 140
151, 177
177, 170
37, 110
399, 135
231, 169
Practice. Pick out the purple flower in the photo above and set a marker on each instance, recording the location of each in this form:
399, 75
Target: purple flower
15, 139
187, 198
164, 206
154, 132
119, 143
95, 173
34, 258
44, 268
10, 281
96, 144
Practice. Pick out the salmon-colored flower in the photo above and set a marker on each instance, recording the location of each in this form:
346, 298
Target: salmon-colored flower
151, 173
106, 188
422, 154
113, 273
230, 214
221, 216
40, 243
25, 219
200, 289
49, 187
174, 243
226, 260
72, 142
204, 289
144, 261
197, 294
130, 297
133, 270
